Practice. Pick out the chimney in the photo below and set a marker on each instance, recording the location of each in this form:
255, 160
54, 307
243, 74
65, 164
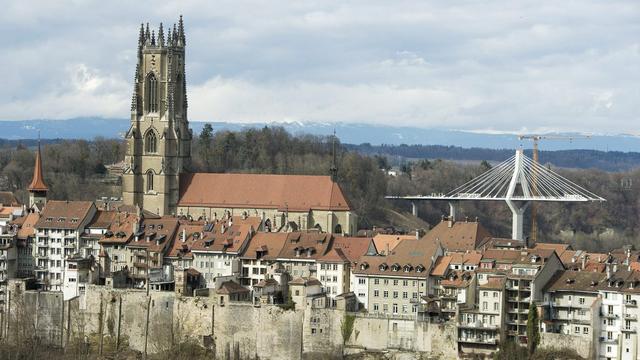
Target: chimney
184, 235
387, 253
584, 261
608, 267
135, 227
417, 234
627, 260
230, 221
450, 223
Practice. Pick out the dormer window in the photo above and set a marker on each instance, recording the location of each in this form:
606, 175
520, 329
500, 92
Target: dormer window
383, 267
395, 267
310, 251
420, 268
407, 268
364, 266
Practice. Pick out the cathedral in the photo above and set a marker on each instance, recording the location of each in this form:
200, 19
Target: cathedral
156, 174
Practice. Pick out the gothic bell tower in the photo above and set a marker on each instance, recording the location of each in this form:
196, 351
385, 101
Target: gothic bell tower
159, 138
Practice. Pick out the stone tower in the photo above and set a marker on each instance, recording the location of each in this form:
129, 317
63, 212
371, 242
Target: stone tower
159, 139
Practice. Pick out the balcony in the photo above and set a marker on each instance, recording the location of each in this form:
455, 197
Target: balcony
477, 340
40, 269
41, 256
628, 316
609, 315
631, 329
140, 264
313, 268
478, 325
631, 303
608, 341
69, 246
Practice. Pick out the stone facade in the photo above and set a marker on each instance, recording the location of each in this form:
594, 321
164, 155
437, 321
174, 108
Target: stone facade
159, 139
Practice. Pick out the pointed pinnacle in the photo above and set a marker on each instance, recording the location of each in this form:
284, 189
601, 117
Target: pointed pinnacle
147, 34
181, 31
161, 36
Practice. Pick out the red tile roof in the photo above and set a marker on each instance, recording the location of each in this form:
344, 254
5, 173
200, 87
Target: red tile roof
408, 257
262, 191
37, 183
268, 244
8, 199
441, 266
306, 245
229, 235
351, 248
460, 236
64, 214
387, 242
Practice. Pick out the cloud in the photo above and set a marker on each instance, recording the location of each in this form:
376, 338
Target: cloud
491, 66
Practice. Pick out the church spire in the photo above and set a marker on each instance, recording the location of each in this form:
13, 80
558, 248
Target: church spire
334, 167
37, 183
37, 189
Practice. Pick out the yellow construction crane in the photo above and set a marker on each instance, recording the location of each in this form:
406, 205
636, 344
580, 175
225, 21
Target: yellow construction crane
535, 138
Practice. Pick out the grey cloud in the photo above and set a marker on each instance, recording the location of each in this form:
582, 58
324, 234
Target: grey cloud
491, 65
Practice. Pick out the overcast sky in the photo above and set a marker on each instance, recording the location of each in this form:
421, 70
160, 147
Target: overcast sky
475, 65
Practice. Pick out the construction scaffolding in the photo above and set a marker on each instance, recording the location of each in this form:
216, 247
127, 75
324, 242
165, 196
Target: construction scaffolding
518, 181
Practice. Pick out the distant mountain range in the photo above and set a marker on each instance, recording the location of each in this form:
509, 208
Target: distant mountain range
90, 127
606, 152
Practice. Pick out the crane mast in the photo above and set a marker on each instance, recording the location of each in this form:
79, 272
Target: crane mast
534, 181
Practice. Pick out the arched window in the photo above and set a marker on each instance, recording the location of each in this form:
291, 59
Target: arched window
338, 229
179, 95
149, 180
150, 141
151, 91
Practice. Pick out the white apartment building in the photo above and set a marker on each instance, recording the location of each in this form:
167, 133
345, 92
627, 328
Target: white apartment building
57, 237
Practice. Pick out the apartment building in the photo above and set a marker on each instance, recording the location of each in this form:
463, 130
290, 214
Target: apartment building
525, 282
618, 314
480, 324
114, 253
301, 251
334, 268
260, 256
213, 248
144, 253
572, 305
395, 282
57, 238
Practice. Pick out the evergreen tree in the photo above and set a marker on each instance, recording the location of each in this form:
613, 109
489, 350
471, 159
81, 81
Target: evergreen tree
533, 329
206, 135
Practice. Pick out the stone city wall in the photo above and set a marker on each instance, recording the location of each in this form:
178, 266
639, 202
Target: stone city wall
130, 319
